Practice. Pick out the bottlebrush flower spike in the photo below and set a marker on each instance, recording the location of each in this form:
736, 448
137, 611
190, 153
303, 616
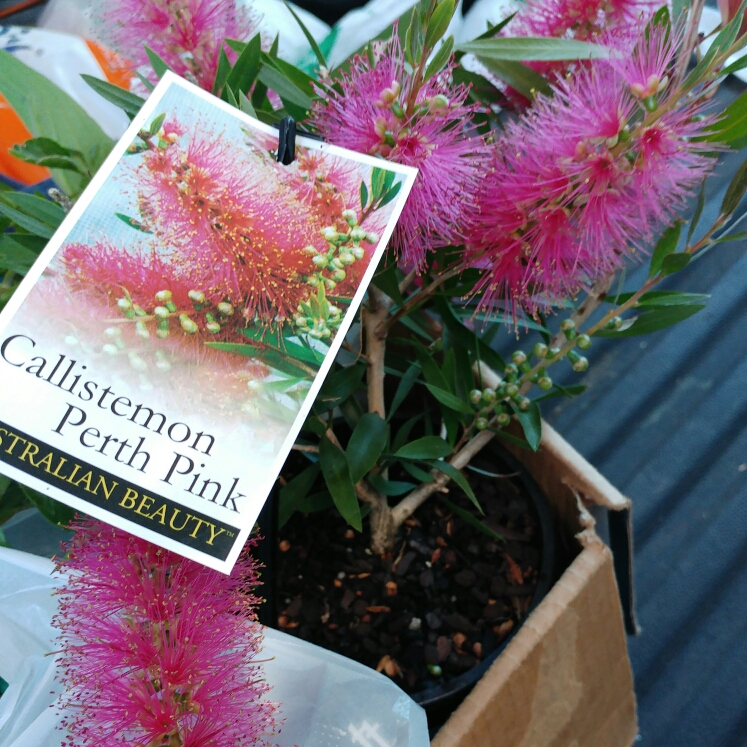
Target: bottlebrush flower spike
584, 180
187, 34
369, 113
158, 650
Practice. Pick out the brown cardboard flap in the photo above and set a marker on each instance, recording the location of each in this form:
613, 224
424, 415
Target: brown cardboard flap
564, 680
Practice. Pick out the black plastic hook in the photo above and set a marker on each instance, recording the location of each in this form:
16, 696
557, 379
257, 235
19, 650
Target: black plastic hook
286, 140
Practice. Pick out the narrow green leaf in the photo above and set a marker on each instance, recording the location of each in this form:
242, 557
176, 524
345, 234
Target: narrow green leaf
288, 92
221, 74
386, 280
364, 195
390, 487
14, 256
246, 106
697, 213
531, 422
527, 48
404, 431
337, 476
519, 76
672, 263
129, 103
366, 444
563, 391
416, 472
132, 222
159, 65
666, 245
735, 66
3, 541
290, 495
39, 147
439, 22
309, 37
52, 114
473, 521
452, 472
246, 68
440, 59
229, 96
735, 191
653, 321
48, 212
427, 447
732, 124
338, 387
659, 298
520, 442
27, 222
450, 400
53, 511
148, 85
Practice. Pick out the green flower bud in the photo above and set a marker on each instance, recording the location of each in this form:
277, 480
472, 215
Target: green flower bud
142, 330
139, 310
540, 350
309, 250
113, 332
519, 357
475, 396
124, 304
196, 296
438, 103
225, 308
188, 325
552, 353
137, 362
350, 217
213, 327
503, 419
339, 275
488, 395
567, 324
110, 349
512, 390
358, 235
163, 296
524, 403
347, 258
435, 670
397, 110
337, 263
163, 330
358, 253
372, 238
320, 261
161, 312
481, 424
581, 364
71, 340
329, 284
583, 342
312, 280
163, 365
544, 383
330, 233
510, 369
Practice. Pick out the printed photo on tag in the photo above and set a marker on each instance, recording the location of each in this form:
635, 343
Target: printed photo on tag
163, 353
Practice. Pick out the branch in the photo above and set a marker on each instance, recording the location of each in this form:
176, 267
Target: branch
373, 318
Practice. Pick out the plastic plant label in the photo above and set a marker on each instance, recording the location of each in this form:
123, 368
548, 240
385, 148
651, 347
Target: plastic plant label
161, 356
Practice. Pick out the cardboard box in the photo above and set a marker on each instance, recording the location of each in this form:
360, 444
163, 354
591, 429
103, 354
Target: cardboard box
564, 680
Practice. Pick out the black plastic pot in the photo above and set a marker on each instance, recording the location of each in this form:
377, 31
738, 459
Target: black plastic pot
439, 701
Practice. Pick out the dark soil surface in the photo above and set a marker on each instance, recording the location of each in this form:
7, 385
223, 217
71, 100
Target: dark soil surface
433, 609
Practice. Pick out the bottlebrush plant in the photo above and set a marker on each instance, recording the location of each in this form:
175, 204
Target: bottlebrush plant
562, 145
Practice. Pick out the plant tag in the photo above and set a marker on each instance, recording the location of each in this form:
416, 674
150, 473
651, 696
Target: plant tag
161, 356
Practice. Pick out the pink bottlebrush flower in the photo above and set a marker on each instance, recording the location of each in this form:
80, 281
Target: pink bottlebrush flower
582, 181
158, 651
373, 113
187, 34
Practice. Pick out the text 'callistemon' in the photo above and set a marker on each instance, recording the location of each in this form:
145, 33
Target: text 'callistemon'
158, 650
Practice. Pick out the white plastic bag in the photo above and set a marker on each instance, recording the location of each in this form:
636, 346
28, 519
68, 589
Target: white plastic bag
326, 699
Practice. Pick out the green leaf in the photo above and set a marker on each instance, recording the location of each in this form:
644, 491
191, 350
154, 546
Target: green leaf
735, 191
132, 222
450, 400
14, 256
563, 391
221, 74
416, 472
338, 387
666, 245
291, 494
439, 59
27, 222
3, 541
386, 279
321, 501
439, 22
473, 521
291, 95
13, 499
735, 66
48, 212
130, 103
660, 298
53, 511
148, 85
404, 431
337, 476
522, 49
366, 444
653, 321
674, 263
531, 422
519, 76
271, 357
51, 113
246, 68
364, 195
390, 487
698, 212
46, 152
309, 37
246, 106
679, 7
520, 442
427, 447
159, 65
156, 123
452, 472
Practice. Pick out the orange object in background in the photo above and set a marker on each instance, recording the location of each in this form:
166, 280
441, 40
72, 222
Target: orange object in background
14, 132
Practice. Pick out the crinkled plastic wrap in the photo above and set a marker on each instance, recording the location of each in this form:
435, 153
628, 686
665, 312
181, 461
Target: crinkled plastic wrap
326, 699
